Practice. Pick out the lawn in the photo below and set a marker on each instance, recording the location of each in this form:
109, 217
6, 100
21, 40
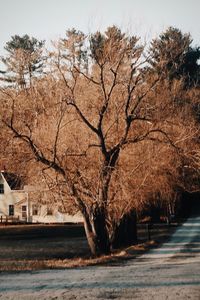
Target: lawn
28, 247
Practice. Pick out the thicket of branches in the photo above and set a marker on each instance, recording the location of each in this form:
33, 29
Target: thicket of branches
112, 128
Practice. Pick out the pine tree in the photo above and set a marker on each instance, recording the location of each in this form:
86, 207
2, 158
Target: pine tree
172, 57
23, 61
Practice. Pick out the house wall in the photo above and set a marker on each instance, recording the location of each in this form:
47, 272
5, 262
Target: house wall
56, 217
9, 197
23, 198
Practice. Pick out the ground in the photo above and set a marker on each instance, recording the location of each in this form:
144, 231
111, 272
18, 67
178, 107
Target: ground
170, 271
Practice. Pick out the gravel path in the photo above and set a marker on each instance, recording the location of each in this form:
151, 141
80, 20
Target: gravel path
171, 271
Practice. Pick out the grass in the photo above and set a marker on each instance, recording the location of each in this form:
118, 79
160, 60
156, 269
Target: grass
116, 257
36, 247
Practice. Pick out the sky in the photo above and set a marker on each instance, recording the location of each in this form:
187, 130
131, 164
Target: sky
49, 19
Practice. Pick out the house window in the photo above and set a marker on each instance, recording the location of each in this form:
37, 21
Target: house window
49, 211
24, 214
1, 188
34, 209
11, 210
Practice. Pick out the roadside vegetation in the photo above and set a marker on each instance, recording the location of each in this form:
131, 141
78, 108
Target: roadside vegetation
108, 125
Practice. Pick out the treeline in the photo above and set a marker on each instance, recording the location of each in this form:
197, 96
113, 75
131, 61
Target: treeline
109, 125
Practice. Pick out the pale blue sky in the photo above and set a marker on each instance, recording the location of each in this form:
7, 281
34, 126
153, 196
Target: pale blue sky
48, 19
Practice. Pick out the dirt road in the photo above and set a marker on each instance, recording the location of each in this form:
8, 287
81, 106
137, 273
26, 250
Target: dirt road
171, 271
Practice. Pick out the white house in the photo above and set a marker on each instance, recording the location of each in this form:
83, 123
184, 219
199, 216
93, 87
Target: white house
17, 203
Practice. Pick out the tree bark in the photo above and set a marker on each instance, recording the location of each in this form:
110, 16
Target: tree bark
96, 232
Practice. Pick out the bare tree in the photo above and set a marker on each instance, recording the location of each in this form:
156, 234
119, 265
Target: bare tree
85, 118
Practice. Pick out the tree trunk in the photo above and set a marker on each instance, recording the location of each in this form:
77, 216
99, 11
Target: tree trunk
155, 214
95, 220
96, 232
125, 233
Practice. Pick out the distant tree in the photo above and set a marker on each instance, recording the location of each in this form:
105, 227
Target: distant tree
172, 57
73, 49
23, 61
190, 69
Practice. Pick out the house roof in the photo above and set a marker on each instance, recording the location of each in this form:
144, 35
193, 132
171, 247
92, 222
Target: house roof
13, 180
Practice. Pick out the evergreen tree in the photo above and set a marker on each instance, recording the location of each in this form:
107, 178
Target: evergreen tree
172, 57
23, 61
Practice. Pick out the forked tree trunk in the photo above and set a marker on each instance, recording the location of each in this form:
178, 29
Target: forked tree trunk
125, 233
96, 232
95, 221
